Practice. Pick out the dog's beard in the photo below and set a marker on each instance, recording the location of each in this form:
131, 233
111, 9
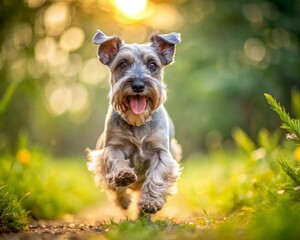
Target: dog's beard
136, 109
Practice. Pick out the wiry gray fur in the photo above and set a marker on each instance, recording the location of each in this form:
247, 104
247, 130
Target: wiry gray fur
137, 151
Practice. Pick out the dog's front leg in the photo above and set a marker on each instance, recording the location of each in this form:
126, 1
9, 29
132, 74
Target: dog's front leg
118, 170
160, 181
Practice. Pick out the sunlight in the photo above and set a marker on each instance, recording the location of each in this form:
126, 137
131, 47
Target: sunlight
132, 9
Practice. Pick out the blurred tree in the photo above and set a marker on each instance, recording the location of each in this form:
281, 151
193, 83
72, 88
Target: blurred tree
231, 53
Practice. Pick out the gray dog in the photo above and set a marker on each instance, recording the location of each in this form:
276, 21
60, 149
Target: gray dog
137, 149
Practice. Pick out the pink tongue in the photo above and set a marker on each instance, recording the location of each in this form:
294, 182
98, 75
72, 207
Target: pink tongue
137, 104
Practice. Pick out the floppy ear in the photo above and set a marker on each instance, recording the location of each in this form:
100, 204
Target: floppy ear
108, 46
165, 45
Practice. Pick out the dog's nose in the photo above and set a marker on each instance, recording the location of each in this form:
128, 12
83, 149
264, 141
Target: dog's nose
137, 86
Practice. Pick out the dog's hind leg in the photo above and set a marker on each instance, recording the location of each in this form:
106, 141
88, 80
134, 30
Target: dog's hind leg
122, 198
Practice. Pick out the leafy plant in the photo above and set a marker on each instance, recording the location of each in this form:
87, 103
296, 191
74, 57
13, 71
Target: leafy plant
289, 167
289, 124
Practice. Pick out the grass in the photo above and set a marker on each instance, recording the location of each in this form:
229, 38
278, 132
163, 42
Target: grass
55, 187
281, 222
222, 195
225, 194
143, 229
13, 218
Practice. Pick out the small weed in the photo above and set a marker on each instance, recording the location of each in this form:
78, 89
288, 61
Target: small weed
208, 219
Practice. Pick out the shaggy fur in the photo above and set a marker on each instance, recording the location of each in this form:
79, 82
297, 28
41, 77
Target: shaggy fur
137, 149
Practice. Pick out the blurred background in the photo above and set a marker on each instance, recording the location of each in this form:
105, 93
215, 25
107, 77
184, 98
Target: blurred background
53, 90
53, 102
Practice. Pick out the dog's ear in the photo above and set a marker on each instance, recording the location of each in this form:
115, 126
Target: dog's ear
165, 45
108, 46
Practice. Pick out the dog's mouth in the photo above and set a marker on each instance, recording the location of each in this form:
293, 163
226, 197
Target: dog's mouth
136, 103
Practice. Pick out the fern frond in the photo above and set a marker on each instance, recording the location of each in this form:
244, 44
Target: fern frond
289, 124
290, 171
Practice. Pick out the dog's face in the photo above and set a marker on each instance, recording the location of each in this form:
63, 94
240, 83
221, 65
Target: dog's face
137, 87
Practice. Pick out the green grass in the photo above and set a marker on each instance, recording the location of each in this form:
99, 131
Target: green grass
13, 218
281, 222
222, 195
225, 194
54, 186
143, 229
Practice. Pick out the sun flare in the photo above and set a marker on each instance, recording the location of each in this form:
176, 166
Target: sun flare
132, 9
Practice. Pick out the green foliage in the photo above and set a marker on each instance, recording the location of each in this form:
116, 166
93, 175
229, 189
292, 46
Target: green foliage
4, 101
295, 97
292, 185
280, 221
289, 124
226, 183
267, 140
13, 217
290, 168
56, 187
215, 84
243, 140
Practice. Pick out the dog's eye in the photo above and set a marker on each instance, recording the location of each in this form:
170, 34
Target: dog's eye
123, 64
152, 66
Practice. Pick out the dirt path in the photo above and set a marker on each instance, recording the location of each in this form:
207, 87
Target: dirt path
85, 225
89, 224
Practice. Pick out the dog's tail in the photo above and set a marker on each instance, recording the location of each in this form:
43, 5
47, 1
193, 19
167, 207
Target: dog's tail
176, 149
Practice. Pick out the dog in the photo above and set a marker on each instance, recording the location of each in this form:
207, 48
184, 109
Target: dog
137, 149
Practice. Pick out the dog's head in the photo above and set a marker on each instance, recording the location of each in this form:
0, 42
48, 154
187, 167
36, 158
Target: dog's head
137, 87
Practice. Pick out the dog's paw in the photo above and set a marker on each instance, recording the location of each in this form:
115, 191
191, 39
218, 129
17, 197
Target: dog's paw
150, 205
125, 177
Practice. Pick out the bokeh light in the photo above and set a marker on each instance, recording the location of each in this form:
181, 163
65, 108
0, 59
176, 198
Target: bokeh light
22, 35
56, 18
133, 9
255, 49
35, 3
80, 98
166, 17
252, 13
72, 39
59, 98
93, 72
45, 49
281, 37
